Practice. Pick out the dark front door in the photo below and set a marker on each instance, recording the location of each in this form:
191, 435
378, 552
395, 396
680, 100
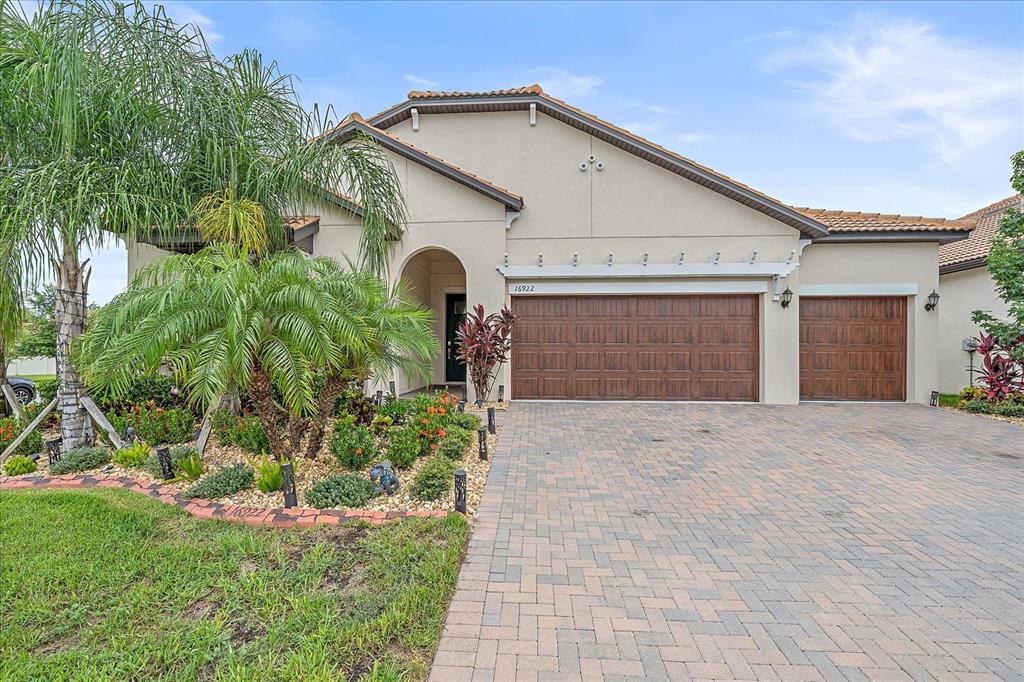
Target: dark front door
454, 314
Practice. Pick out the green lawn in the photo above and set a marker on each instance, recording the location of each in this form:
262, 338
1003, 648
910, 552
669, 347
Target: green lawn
949, 399
111, 585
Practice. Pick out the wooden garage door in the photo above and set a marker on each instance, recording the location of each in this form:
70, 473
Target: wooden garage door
853, 348
635, 347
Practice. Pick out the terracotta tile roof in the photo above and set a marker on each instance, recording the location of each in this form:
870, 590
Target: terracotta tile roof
387, 118
356, 122
299, 222
975, 247
859, 221
433, 94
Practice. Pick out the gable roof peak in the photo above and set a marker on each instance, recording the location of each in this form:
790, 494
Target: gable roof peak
534, 89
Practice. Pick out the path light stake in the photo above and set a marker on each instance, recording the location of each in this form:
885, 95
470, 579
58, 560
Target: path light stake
53, 450
462, 406
460, 491
288, 485
391, 389
491, 428
935, 399
166, 468
501, 393
380, 397
482, 439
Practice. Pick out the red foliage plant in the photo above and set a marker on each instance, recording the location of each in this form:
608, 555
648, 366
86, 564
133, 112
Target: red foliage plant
1001, 374
485, 342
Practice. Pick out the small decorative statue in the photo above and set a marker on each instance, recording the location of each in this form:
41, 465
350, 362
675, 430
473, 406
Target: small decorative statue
383, 477
129, 435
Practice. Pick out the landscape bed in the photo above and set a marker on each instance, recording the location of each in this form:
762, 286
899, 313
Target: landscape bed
106, 584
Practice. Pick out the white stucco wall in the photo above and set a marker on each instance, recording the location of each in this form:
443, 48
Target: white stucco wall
867, 269
961, 294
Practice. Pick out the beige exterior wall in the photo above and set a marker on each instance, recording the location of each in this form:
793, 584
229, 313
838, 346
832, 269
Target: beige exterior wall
140, 255
874, 269
962, 293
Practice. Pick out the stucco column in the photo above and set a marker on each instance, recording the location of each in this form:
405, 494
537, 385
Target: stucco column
780, 345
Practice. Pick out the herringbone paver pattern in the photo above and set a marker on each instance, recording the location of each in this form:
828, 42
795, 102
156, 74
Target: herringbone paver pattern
811, 542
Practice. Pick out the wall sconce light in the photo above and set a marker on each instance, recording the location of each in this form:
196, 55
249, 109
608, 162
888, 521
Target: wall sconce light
787, 297
933, 301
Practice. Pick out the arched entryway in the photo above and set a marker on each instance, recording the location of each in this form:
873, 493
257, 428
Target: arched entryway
437, 279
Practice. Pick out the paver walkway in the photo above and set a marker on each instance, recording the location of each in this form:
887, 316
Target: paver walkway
748, 542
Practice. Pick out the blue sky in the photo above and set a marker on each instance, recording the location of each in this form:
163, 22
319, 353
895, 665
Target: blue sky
908, 108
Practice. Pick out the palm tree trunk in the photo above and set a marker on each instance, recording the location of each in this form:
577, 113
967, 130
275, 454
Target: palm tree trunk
262, 393
333, 387
70, 312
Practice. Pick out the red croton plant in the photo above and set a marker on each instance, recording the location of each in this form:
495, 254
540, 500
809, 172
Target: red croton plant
484, 344
1001, 375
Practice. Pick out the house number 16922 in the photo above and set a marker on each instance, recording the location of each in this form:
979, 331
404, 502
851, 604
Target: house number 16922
522, 288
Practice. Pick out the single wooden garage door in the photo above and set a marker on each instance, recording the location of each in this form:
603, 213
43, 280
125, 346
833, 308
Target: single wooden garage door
635, 347
853, 348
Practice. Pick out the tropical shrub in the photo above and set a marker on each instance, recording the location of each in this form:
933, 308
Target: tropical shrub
357, 405
455, 443
345, 490
465, 420
11, 428
132, 456
404, 445
485, 342
223, 482
433, 479
16, 465
398, 410
269, 478
352, 443
80, 459
154, 390
972, 393
156, 425
1000, 371
244, 432
977, 407
46, 389
1009, 408
190, 467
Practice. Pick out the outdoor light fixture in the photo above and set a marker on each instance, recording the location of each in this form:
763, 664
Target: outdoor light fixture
52, 450
787, 297
491, 427
935, 399
933, 301
391, 389
288, 485
163, 455
482, 440
462, 406
460, 491
501, 393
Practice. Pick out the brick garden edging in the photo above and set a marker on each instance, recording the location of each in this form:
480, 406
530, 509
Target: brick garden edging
209, 509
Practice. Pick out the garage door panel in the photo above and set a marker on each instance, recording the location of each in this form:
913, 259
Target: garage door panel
526, 359
853, 348
650, 347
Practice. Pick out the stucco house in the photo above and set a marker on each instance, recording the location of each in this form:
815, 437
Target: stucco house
966, 286
637, 273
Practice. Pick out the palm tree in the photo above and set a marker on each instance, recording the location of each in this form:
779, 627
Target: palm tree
226, 322
115, 120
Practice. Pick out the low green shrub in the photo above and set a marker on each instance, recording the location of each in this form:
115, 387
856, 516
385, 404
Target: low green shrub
178, 454
151, 390
465, 420
972, 393
353, 444
80, 459
46, 389
190, 467
16, 465
434, 479
1009, 408
398, 410
223, 482
244, 432
404, 446
268, 476
456, 442
11, 428
345, 490
156, 425
132, 456
978, 407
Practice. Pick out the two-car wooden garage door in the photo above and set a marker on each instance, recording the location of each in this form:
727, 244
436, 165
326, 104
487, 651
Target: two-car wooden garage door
701, 347
636, 347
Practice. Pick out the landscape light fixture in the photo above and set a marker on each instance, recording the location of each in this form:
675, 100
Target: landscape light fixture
460, 491
787, 297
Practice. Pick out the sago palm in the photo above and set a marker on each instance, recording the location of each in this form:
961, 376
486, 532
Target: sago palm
115, 120
225, 322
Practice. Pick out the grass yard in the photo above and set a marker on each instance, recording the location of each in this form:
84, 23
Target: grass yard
110, 585
949, 399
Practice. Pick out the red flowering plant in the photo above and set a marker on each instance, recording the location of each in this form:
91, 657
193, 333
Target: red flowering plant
485, 342
1001, 374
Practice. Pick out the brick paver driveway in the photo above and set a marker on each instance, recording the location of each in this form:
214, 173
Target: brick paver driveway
751, 542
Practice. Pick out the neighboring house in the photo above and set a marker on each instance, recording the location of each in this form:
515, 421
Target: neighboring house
966, 286
637, 273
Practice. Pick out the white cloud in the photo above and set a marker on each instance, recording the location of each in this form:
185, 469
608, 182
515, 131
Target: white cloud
566, 85
421, 82
880, 80
186, 14
692, 137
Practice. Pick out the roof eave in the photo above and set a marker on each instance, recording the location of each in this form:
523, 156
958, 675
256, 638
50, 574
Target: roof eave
509, 200
969, 264
777, 210
940, 236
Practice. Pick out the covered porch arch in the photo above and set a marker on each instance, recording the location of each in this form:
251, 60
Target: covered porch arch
437, 279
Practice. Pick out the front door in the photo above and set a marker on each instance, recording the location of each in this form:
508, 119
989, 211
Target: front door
454, 314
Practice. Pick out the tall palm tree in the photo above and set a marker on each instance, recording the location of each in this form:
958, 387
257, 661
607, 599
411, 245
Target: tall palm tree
224, 321
115, 120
